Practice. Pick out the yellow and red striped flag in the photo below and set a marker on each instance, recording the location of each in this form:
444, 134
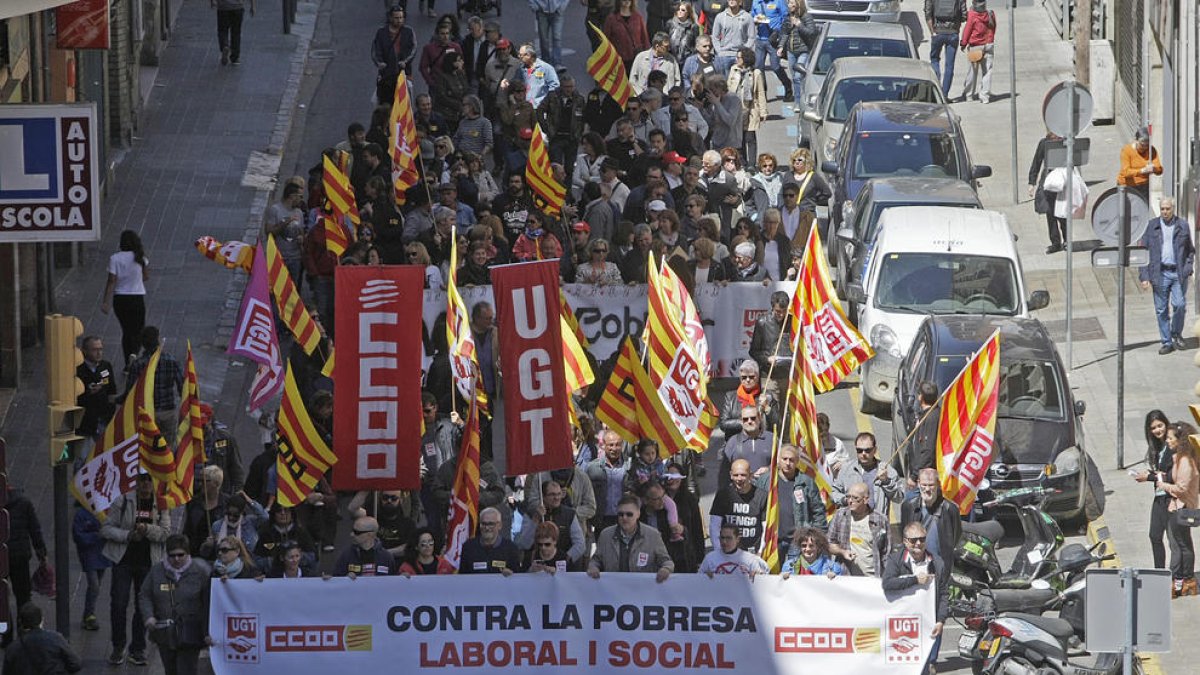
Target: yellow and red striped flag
287, 301
770, 536
802, 409
327, 369
548, 194
617, 407
675, 368
158, 461
835, 348
656, 421
967, 426
230, 254
189, 448
402, 128
464, 499
339, 205
575, 362
608, 70
303, 456
464, 361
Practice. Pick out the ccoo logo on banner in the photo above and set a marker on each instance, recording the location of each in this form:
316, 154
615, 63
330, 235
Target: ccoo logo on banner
49, 175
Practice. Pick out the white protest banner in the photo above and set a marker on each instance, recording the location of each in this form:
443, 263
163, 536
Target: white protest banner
537, 623
608, 313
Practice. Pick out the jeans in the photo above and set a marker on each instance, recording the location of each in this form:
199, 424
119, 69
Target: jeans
1159, 517
948, 42
797, 63
1183, 551
724, 63
229, 32
1170, 323
124, 578
980, 74
94, 579
550, 30
764, 52
750, 147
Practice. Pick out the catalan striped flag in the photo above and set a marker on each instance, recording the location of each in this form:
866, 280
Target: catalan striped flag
158, 461
339, 205
802, 411
617, 407
402, 128
327, 369
608, 70
967, 426
189, 450
464, 499
231, 254
548, 194
835, 347
576, 367
674, 367
656, 421
770, 536
287, 301
464, 361
303, 456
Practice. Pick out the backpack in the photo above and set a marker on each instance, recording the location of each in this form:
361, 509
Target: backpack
945, 11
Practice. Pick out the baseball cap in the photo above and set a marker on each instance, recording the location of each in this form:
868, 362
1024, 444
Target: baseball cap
581, 226
503, 43
656, 205
675, 157
526, 133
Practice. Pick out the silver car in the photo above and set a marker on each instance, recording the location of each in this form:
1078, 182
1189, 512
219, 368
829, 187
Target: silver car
855, 10
865, 78
847, 39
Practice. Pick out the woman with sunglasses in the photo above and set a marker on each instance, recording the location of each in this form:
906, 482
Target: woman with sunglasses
598, 270
234, 561
810, 554
546, 555
174, 600
422, 558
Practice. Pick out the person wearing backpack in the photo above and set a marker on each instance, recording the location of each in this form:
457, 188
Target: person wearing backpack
978, 41
944, 18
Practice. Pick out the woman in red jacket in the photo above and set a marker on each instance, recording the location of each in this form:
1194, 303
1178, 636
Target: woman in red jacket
626, 29
978, 41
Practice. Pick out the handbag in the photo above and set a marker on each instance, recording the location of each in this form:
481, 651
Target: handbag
975, 54
43, 580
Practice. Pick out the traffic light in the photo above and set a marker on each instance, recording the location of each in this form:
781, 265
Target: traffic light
63, 388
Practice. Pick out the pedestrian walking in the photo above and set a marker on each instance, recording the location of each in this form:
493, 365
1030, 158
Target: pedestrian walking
944, 18
550, 15
1184, 490
1160, 459
125, 293
174, 600
38, 651
392, 51
979, 43
229, 28
1169, 244
89, 546
1044, 199
797, 35
1139, 159
24, 542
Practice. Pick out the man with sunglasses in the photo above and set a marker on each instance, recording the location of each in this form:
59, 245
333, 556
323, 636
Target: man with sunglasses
914, 567
937, 515
883, 485
800, 502
490, 552
630, 545
366, 556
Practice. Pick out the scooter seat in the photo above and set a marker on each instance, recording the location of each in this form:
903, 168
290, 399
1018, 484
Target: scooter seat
1059, 628
990, 529
1024, 600
1016, 582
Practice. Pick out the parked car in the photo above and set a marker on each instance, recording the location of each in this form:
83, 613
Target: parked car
840, 40
932, 260
860, 218
855, 79
896, 139
1039, 426
855, 10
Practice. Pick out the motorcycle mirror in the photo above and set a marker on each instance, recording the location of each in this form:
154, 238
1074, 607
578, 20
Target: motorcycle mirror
984, 484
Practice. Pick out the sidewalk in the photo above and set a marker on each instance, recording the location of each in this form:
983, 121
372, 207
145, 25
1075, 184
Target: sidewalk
203, 163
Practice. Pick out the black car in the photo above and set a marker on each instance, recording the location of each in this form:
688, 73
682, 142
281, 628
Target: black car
1039, 426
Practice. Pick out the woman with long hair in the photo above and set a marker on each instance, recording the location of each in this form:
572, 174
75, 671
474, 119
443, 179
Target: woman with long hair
1184, 490
748, 83
125, 292
421, 556
591, 157
234, 561
626, 29
1159, 460
684, 30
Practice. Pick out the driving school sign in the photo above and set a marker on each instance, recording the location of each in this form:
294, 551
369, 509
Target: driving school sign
49, 175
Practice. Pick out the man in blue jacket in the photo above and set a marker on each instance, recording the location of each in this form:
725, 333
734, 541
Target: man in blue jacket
1168, 271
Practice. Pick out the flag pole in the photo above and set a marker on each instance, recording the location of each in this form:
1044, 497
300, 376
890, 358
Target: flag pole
779, 341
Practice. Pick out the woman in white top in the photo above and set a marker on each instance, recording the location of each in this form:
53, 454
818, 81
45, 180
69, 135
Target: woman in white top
125, 292
587, 164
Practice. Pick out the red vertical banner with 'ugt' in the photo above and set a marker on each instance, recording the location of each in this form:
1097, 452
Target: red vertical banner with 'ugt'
377, 407
536, 423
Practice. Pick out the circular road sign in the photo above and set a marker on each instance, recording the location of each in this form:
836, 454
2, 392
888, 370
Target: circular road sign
1058, 113
1106, 216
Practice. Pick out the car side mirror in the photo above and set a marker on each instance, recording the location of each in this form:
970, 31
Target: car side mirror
856, 294
1080, 408
812, 116
829, 168
1038, 300
846, 234
981, 171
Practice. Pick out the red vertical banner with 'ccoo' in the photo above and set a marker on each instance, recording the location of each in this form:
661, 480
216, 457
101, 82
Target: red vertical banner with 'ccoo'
377, 406
536, 424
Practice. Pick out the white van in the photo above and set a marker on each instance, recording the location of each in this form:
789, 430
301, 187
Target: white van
932, 260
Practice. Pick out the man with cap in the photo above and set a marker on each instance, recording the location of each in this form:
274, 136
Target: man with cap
1138, 160
221, 449
673, 169
576, 253
499, 68
464, 216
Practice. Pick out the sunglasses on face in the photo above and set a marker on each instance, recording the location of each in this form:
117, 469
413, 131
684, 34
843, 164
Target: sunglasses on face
627, 514
750, 419
915, 540
362, 532
864, 450
226, 549
390, 498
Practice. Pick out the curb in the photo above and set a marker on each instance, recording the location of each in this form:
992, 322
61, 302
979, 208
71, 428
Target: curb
1097, 532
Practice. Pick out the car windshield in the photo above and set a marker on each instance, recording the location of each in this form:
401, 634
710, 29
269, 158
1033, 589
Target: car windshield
854, 90
835, 48
1028, 389
947, 283
895, 153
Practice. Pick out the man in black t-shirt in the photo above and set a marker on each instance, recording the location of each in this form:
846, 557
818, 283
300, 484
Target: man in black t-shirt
99, 396
742, 505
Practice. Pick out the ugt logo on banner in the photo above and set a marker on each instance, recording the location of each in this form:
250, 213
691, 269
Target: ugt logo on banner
537, 431
377, 410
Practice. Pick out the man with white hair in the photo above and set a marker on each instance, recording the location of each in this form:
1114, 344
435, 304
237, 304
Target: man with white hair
490, 552
1172, 257
746, 267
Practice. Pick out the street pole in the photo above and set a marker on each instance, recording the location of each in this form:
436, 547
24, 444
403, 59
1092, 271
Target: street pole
62, 553
1070, 189
1012, 97
1123, 265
